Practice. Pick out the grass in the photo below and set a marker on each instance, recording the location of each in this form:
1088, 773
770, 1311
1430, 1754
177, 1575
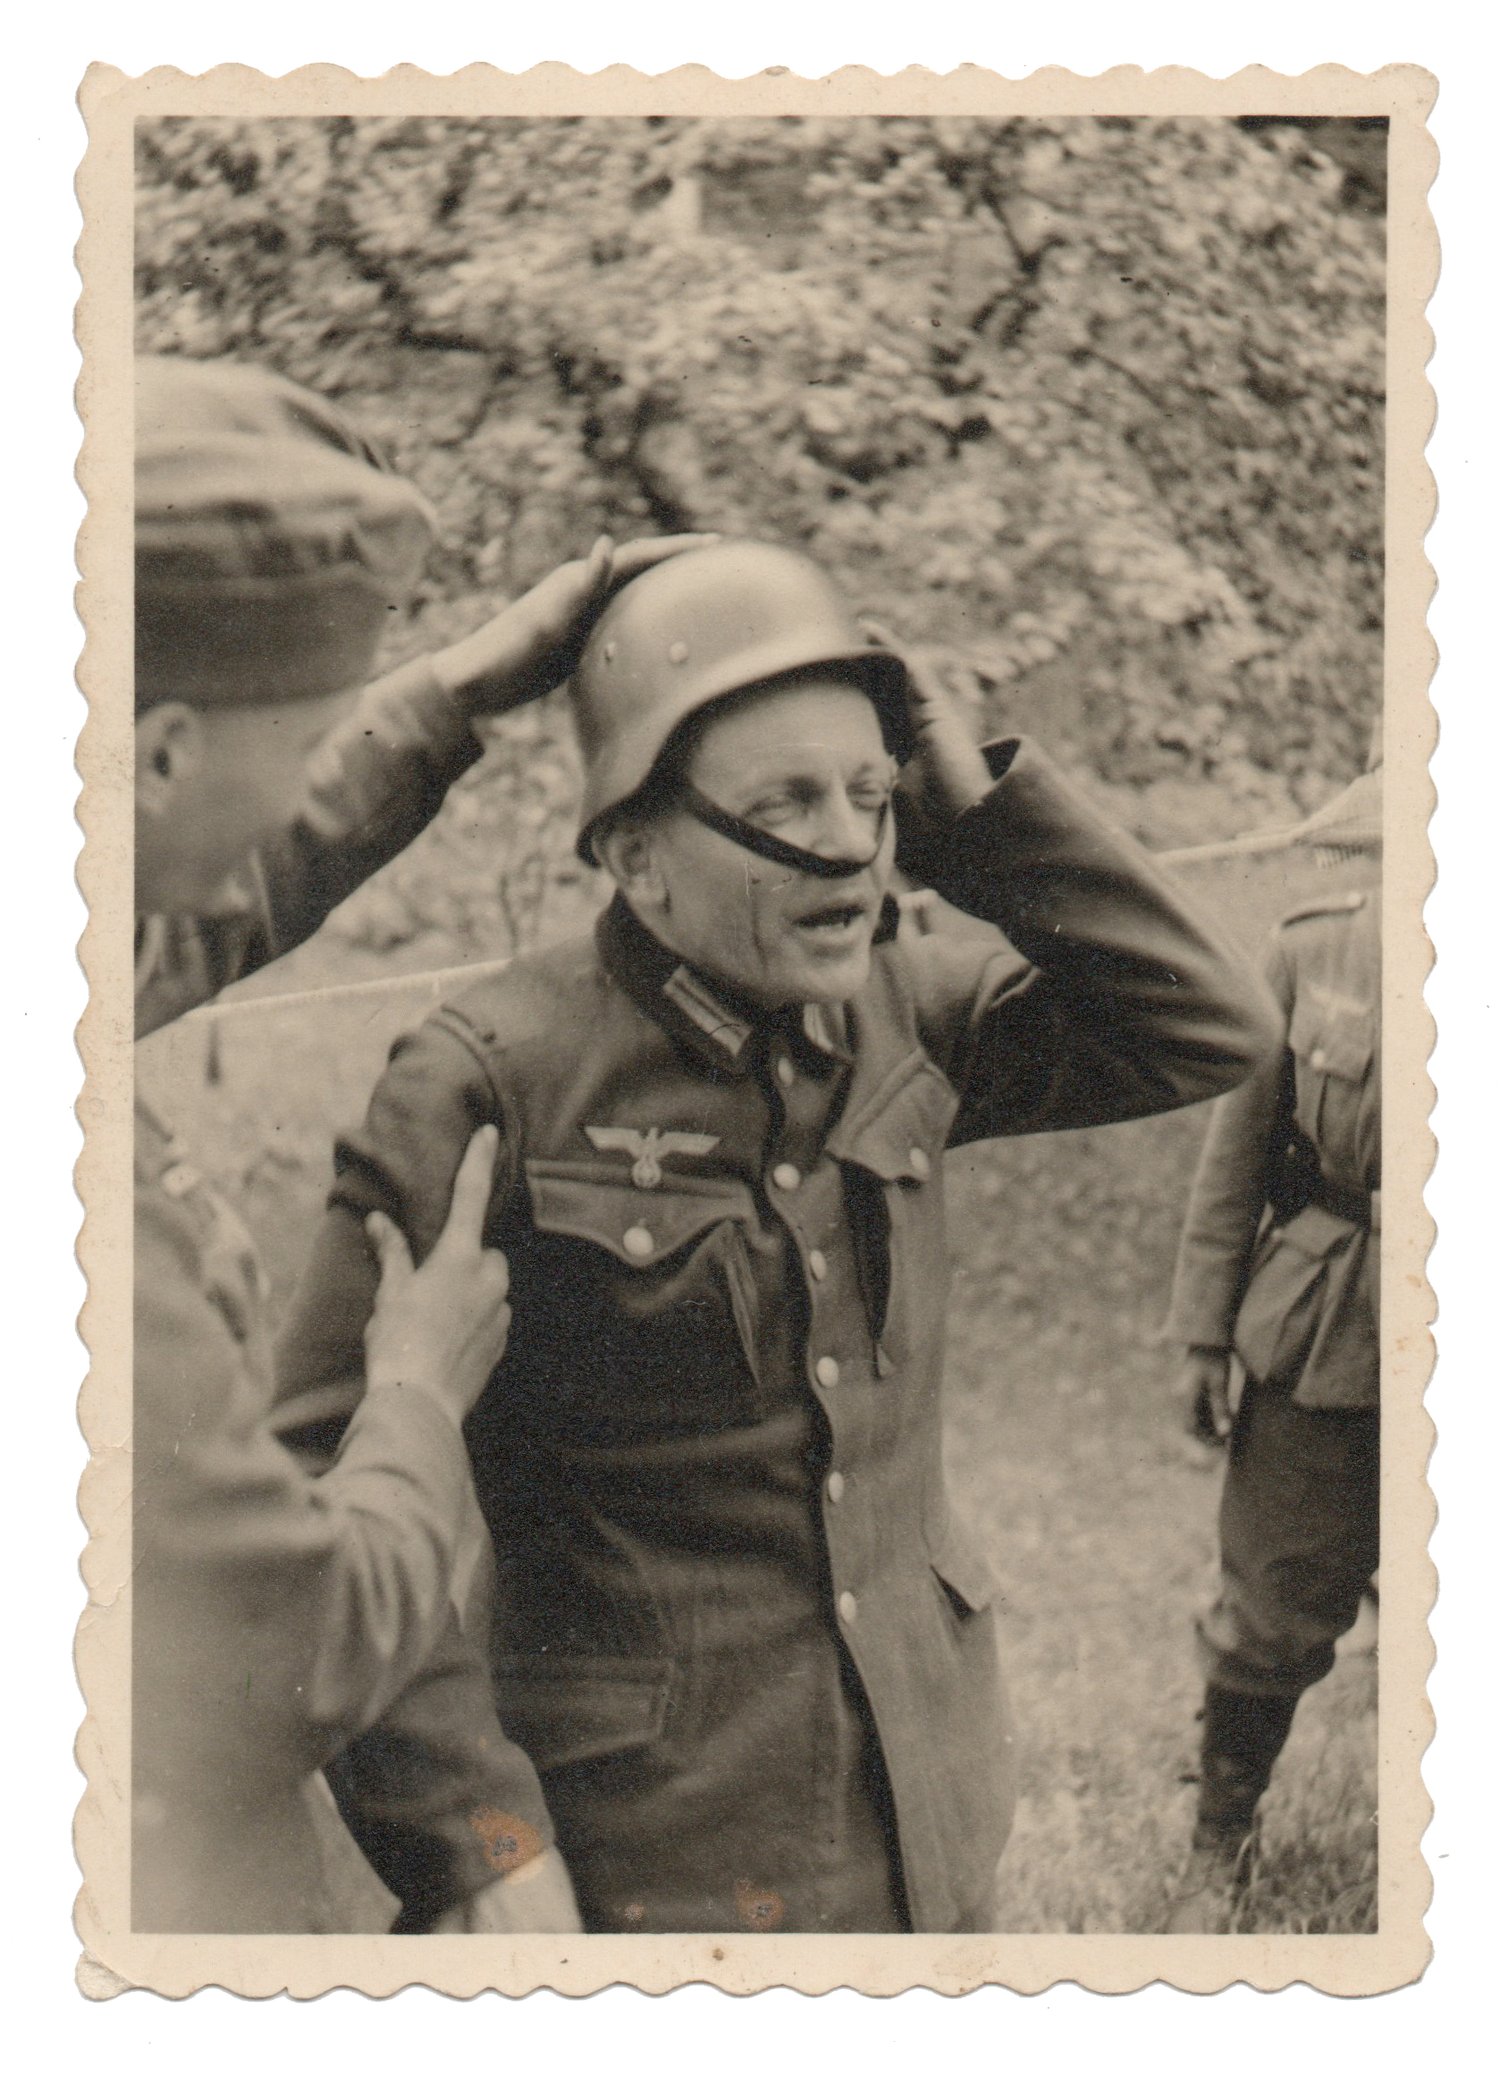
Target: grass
1099, 1518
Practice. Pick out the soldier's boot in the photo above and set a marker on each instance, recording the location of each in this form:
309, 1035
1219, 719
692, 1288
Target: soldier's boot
1243, 1734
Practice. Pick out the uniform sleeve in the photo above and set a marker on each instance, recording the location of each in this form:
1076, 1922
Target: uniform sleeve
300, 1607
1230, 1191
375, 784
1113, 999
440, 1801
433, 1096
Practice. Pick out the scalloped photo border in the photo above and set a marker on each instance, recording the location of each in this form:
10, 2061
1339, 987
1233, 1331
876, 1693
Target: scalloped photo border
114, 1957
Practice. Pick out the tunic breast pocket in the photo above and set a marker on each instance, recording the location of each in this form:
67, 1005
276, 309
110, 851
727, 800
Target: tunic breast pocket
1333, 1040
893, 1154
635, 1310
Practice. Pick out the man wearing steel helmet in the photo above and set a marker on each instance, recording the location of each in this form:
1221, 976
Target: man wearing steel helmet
274, 1617
737, 1629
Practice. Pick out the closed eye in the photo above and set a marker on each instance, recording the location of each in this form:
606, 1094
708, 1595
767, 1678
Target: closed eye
774, 807
869, 793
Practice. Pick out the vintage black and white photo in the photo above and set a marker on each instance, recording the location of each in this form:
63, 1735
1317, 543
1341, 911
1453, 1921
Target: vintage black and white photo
773, 849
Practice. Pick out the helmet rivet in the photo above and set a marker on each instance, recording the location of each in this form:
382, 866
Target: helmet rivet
678, 652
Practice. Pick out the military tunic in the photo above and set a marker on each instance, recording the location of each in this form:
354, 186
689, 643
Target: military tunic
1280, 1259
375, 783
275, 1616
738, 1628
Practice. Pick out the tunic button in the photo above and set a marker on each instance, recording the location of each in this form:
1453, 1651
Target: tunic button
921, 1166
848, 1605
1318, 1059
678, 652
785, 1176
826, 1371
817, 1262
786, 1073
638, 1241
835, 1486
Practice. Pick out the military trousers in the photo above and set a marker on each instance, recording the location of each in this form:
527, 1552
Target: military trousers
1299, 1541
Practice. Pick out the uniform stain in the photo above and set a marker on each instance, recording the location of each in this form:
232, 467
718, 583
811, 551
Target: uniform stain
509, 1841
759, 1909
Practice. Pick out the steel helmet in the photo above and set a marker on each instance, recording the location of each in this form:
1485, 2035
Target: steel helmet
713, 621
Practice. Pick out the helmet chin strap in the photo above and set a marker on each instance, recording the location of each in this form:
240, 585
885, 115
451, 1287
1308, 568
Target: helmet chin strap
749, 837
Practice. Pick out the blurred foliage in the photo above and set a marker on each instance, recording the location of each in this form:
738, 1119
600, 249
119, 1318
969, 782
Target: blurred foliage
1091, 407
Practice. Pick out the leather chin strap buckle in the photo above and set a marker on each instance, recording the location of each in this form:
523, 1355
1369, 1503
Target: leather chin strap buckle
749, 837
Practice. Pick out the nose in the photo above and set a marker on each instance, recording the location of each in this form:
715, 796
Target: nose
843, 829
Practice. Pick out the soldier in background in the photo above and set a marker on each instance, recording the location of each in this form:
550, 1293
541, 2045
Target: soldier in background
274, 1616
389, 754
1279, 1265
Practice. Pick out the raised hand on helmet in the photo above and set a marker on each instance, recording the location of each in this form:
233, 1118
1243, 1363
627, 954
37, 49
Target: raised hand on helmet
946, 772
531, 647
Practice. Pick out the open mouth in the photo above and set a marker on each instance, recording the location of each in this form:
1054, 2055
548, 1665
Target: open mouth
834, 919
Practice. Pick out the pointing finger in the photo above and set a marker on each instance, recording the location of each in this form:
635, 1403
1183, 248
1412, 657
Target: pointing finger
473, 1185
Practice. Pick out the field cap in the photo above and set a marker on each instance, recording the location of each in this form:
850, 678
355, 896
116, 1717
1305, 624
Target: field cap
272, 539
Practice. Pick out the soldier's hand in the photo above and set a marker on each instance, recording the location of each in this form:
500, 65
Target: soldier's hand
947, 771
1203, 1384
945, 774
536, 1897
532, 646
441, 1328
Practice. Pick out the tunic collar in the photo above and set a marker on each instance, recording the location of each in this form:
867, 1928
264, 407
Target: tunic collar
703, 1014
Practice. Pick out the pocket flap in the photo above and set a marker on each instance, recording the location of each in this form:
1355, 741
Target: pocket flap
640, 1227
901, 1132
1333, 1034
963, 1570
572, 1709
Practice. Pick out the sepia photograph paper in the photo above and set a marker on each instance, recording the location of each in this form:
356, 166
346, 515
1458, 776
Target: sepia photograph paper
755, 809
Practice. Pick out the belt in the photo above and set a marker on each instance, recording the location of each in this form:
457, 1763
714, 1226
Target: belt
1358, 1206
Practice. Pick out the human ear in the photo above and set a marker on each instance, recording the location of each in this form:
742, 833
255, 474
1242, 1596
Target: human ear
629, 854
168, 753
